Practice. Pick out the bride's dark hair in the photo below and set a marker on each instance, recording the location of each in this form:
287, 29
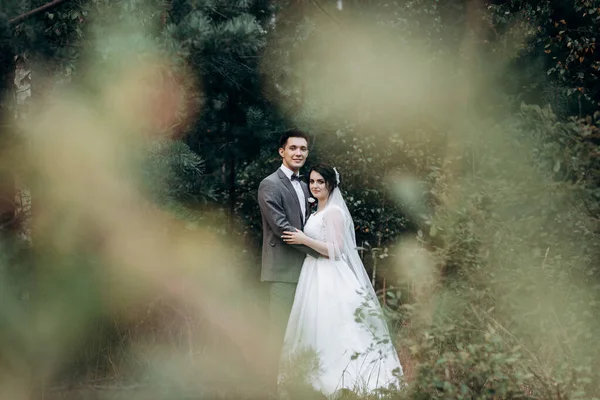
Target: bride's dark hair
328, 173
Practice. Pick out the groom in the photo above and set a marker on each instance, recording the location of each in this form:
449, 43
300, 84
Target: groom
283, 200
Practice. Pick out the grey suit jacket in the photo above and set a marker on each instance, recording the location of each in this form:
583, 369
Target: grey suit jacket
280, 210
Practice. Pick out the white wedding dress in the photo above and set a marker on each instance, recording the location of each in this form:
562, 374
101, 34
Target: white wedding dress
358, 356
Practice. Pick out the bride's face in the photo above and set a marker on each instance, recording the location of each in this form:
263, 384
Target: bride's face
318, 187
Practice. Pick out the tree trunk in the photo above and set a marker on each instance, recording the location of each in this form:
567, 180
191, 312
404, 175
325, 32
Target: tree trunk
23, 88
24, 16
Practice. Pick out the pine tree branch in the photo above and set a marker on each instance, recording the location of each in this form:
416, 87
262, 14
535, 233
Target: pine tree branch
28, 14
326, 12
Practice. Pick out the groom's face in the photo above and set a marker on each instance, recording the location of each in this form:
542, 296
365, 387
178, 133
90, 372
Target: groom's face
294, 153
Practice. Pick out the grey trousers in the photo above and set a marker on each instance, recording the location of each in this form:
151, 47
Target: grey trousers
281, 299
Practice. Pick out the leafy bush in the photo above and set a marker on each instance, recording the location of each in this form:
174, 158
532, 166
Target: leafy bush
516, 250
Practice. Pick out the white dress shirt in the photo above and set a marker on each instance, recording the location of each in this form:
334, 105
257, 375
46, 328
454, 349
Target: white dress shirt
296, 184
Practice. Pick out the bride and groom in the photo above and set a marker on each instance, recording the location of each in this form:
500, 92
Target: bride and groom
321, 299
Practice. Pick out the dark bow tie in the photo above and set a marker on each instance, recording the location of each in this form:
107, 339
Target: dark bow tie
296, 178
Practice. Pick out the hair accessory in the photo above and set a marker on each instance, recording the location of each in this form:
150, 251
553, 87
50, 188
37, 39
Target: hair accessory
337, 176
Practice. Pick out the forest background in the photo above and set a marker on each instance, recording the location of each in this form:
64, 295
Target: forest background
135, 133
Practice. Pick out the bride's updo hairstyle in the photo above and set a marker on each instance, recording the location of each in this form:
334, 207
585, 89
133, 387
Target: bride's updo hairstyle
328, 173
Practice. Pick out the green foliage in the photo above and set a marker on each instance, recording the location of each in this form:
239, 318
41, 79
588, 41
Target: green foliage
477, 370
173, 177
173, 172
366, 163
222, 43
563, 35
517, 256
509, 215
297, 375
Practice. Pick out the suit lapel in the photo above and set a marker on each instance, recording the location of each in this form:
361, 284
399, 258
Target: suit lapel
306, 203
288, 184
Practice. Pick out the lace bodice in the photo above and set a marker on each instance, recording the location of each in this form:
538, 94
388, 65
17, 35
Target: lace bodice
315, 228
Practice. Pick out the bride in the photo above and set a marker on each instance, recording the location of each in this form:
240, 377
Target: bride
336, 315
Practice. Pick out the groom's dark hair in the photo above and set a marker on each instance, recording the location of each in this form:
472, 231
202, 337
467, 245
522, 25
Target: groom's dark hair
292, 133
